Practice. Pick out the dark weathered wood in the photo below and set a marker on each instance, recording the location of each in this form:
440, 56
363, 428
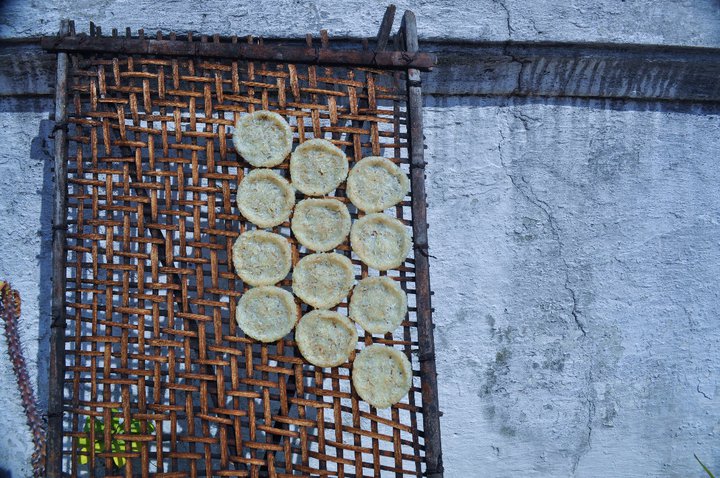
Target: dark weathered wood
426, 344
645, 73
202, 371
382, 39
26, 70
241, 51
177, 280
385, 28
492, 69
57, 328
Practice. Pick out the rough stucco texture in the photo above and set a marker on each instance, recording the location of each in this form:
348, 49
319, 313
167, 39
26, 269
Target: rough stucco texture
575, 277
632, 21
25, 240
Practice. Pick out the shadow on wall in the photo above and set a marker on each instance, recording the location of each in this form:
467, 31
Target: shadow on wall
41, 148
698, 109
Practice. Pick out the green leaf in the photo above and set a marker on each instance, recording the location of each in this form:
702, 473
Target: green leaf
99, 427
118, 446
84, 459
704, 467
134, 446
116, 425
135, 427
83, 444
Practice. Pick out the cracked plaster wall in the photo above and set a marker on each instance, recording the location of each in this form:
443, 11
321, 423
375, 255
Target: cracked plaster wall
628, 21
576, 250
575, 242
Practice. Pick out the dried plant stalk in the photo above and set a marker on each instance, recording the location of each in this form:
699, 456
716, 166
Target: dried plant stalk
10, 313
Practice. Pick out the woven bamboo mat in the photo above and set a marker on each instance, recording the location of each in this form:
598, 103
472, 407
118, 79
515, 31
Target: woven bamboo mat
152, 350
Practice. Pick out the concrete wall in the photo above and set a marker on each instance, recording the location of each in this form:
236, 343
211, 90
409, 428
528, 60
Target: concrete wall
575, 287
575, 241
668, 22
25, 241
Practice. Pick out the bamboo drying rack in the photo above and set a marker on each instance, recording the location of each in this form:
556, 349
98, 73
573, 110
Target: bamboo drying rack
143, 291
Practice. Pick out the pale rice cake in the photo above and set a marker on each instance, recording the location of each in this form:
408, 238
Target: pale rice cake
321, 224
263, 138
378, 304
325, 338
261, 257
375, 184
265, 198
317, 167
323, 280
266, 313
381, 375
381, 241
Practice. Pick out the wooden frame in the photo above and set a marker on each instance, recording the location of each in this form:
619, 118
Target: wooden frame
406, 62
57, 330
290, 54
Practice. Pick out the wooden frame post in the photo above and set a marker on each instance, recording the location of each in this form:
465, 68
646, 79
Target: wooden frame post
59, 228
426, 343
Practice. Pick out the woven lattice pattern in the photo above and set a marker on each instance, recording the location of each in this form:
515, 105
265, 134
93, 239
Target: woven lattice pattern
151, 293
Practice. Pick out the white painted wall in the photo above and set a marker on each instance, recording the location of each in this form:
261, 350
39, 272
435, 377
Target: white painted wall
663, 22
575, 285
575, 242
25, 241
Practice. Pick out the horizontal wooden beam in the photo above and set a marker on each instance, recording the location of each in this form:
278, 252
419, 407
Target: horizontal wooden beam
644, 73
26, 70
623, 72
398, 60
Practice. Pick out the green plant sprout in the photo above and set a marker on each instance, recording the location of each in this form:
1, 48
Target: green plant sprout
116, 445
704, 467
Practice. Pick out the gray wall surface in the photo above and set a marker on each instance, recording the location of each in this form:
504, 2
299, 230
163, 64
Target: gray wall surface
622, 21
575, 287
575, 241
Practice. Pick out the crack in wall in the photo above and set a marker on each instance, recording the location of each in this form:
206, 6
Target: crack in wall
508, 52
702, 393
521, 71
529, 194
545, 208
526, 190
510, 29
586, 446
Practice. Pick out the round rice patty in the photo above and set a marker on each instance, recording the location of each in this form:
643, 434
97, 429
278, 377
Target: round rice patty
263, 138
381, 375
380, 241
261, 257
375, 184
321, 224
266, 313
265, 198
378, 304
317, 167
325, 338
323, 280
